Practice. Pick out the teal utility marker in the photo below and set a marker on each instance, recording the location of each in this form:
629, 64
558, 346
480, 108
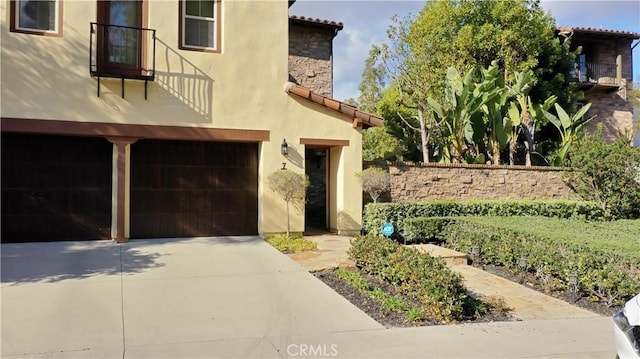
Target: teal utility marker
387, 229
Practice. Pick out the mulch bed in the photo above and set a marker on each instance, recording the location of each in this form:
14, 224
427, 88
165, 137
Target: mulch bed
376, 311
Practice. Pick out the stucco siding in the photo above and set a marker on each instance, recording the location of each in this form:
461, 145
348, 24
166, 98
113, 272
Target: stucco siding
242, 87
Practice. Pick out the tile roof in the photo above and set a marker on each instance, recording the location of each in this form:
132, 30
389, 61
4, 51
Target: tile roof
309, 21
358, 116
599, 31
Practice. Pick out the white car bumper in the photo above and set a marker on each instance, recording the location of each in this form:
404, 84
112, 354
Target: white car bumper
626, 330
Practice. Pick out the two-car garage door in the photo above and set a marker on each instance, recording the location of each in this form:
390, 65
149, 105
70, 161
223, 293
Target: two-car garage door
60, 188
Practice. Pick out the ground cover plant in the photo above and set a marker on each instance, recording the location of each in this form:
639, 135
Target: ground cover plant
292, 243
597, 260
437, 292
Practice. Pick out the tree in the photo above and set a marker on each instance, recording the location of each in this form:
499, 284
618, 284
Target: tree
606, 173
378, 144
467, 34
373, 82
374, 181
461, 111
291, 186
525, 111
402, 123
569, 128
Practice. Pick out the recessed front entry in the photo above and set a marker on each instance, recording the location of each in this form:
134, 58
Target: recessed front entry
315, 215
192, 188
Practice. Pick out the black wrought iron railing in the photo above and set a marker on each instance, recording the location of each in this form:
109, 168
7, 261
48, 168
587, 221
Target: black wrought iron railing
122, 52
596, 73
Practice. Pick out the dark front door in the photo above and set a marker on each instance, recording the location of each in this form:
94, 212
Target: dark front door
120, 42
189, 189
315, 213
55, 188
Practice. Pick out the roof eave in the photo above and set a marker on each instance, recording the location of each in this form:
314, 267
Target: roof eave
358, 116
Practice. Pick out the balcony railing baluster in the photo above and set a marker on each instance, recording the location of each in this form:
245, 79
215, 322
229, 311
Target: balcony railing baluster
122, 52
596, 73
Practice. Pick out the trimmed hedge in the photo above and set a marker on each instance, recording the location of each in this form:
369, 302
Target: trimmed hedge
425, 229
376, 214
428, 279
607, 268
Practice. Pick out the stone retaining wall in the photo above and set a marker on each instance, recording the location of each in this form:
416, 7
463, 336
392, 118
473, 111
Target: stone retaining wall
414, 182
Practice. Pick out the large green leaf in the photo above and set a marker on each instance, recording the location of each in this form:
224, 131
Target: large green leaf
565, 120
514, 114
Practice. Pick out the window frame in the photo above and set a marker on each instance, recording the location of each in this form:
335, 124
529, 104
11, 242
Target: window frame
182, 16
14, 19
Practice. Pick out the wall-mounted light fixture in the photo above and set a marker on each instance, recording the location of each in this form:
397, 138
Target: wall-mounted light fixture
284, 148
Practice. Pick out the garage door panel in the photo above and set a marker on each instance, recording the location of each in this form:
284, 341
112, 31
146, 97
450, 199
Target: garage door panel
199, 189
55, 188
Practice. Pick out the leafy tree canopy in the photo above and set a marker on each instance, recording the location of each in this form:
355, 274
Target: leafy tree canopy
606, 173
465, 34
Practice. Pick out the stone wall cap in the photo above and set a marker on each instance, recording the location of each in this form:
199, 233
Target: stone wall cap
465, 165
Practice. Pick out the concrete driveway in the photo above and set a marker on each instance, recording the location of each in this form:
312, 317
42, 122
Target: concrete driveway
233, 297
203, 297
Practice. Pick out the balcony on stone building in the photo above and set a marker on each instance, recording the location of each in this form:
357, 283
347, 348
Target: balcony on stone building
597, 74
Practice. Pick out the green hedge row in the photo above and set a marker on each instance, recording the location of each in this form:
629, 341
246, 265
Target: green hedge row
607, 269
376, 214
428, 279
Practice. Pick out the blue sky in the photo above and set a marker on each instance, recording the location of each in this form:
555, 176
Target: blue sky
366, 22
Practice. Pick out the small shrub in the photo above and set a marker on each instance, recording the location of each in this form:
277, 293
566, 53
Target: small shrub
374, 181
291, 244
606, 173
291, 186
474, 308
387, 302
426, 278
414, 315
424, 229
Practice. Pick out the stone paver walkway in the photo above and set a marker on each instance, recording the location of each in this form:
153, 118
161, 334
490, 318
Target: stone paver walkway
331, 253
526, 303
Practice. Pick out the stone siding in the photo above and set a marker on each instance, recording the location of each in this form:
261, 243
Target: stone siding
609, 105
415, 182
613, 111
311, 57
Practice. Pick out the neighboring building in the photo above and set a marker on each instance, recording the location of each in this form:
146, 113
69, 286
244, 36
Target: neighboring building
604, 71
148, 119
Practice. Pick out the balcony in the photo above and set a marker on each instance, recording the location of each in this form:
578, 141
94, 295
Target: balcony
122, 52
591, 74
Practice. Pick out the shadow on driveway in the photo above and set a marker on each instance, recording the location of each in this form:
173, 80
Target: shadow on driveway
48, 262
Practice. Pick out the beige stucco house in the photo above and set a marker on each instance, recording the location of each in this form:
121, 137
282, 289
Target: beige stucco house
148, 119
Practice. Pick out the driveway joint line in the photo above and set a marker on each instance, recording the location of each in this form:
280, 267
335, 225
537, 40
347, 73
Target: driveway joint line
124, 344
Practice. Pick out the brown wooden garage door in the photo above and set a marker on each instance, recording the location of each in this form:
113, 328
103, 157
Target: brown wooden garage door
189, 188
55, 188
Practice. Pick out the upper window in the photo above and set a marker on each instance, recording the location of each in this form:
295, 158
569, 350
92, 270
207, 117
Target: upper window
200, 25
36, 16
